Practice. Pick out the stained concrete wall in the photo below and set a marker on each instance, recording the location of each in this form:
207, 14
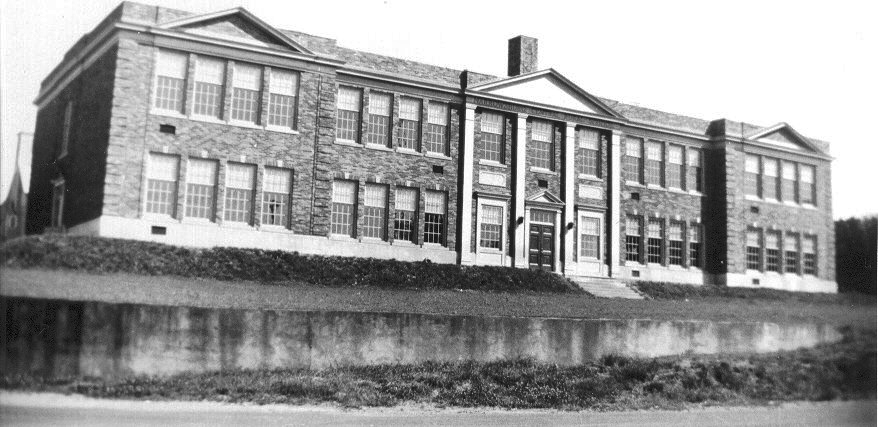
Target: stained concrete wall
57, 338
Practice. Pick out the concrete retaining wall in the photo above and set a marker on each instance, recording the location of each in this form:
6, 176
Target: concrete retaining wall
57, 338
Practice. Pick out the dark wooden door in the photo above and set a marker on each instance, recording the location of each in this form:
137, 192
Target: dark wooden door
542, 247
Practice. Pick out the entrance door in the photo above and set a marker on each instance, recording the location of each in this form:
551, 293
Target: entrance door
542, 246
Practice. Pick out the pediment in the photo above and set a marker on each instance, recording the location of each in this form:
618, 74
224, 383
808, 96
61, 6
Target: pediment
544, 197
550, 88
784, 136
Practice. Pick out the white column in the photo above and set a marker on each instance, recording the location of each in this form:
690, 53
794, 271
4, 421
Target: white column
614, 192
519, 195
569, 180
466, 192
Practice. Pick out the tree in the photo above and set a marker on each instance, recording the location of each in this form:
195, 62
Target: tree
856, 254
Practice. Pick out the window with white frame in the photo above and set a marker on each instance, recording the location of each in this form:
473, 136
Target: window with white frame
65, 130
276, 186
374, 211
170, 80
695, 239
807, 189
437, 128
754, 249
434, 217
493, 138
769, 179
633, 159
246, 90
161, 184
208, 95
674, 173
694, 176
283, 89
491, 227
200, 188
240, 180
406, 207
379, 119
409, 124
590, 237
541, 145
675, 243
633, 238
589, 141
348, 114
652, 171
788, 181
654, 240
791, 253
809, 255
343, 218
772, 251
752, 176
59, 188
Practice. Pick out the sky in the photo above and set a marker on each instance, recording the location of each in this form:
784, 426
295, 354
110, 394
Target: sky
811, 64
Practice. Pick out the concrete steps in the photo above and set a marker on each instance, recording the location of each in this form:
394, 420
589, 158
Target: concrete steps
605, 288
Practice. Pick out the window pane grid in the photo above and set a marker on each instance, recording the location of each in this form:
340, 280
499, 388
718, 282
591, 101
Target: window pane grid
791, 253
772, 251
632, 160
633, 234
675, 244
207, 100
434, 217
809, 255
542, 154
348, 125
238, 205
653, 170
808, 190
344, 197
409, 133
695, 245
404, 220
169, 94
379, 130
374, 211
199, 201
281, 110
491, 227
654, 241
161, 197
274, 209
245, 105
436, 138
589, 144
589, 243
754, 249
492, 146
693, 171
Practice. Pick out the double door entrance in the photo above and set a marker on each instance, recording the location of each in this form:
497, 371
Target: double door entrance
542, 247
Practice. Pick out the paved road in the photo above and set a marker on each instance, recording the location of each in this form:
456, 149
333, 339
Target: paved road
53, 409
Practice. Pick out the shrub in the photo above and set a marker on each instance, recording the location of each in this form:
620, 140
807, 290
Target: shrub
674, 291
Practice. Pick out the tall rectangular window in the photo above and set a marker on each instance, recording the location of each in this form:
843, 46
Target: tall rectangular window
807, 190
652, 171
170, 82
239, 193
674, 173
276, 186
437, 128
379, 119
209, 77
161, 184
809, 255
375, 211
769, 179
493, 137
589, 238
791, 253
752, 176
59, 189
246, 91
695, 239
409, 124
654, 240
348, 114
772, 251
343, 219
65, 129
633, 159
283, 89
434, 217
675, 243
542, 150
754, 249
788, 181
633, 236
589, 142
200, 188
694, 175
491, 227
406, 204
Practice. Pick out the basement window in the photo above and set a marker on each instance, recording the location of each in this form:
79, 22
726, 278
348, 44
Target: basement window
542, 183
171, 129
635, 196
754, 209
438, 169
160, 231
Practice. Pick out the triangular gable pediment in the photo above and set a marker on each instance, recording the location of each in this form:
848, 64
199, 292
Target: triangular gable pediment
545, 197
550, 88
236, 25
783, 135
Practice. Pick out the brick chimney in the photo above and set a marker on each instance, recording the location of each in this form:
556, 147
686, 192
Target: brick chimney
522, 55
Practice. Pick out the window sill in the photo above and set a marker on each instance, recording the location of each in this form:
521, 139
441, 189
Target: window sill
433, 246
168, 113
166, 219
543, 171
490, 251
408, 151
654, 187
214, 120
492, 163
197, 221
634, 264
634, 184
590, 177
243, 124
378, 147
374, 241
238, 225
275, 229
696, 193
348, 143
404, 243
342, 238
437, 156
208, 119
281, 129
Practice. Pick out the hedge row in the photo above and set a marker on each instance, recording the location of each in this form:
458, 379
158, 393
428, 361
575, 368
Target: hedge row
674, 291
103, 255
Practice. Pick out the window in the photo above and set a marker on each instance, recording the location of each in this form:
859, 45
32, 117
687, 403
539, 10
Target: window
694, 176
170, 81
788, 181
379, 119
276, 196
675, 243
283, 88
809, 255
406, 208
752, 177
589, 238
695, 239
59, 188
493, 137
769, 177
675, 172
633, 233
589, 141
348, 115
246, 90
409, 123
491, 227
209, 77
437, 128
65, 131
200, 188
344, 201
754, 249
772, 251
541, 147
374, 211
633, 158
434, 217
808, 192
654, 240
239, 193
791, 253
161, 184
652, 172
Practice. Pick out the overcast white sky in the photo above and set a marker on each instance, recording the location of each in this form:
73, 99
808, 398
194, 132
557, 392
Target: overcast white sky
811, 64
